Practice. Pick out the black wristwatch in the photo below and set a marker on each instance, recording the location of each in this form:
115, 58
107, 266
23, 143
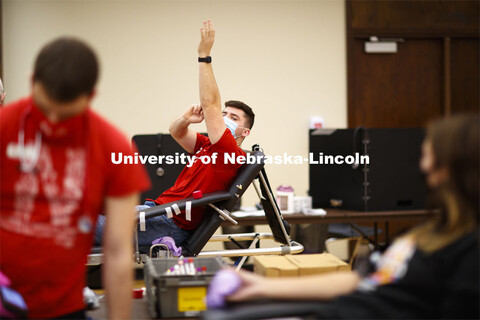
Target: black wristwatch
206, 59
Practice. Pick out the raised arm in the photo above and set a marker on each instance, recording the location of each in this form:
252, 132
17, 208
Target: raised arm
209, 94
180, 131
118, 251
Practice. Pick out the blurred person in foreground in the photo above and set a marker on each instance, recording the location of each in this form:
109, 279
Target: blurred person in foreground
56, 178
430, 272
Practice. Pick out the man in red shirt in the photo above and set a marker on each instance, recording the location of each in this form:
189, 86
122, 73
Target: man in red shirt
226, 131
56, 177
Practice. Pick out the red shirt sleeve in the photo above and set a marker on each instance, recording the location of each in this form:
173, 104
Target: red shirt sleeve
123, 178
201, 141
226, 143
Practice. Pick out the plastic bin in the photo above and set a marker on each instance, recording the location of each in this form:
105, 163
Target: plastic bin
177, 296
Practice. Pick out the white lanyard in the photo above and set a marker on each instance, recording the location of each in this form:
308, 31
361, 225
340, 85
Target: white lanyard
28, 160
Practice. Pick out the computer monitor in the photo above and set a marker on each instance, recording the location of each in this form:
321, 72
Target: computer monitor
390, 181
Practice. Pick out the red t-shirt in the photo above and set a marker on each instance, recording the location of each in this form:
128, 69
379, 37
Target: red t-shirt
207, 177
48, 214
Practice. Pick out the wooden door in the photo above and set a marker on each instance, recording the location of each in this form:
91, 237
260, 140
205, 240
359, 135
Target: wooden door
396, 90
435, 71
465, 68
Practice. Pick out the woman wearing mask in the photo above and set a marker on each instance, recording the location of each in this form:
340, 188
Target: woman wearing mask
430, 272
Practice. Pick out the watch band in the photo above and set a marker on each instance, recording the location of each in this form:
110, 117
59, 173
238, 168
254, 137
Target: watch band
205, 59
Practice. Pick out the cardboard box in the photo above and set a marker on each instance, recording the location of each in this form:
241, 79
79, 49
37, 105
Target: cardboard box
274, 266
317, 263
298, 265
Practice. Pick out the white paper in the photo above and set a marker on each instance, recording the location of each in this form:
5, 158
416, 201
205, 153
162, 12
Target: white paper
176, 208
314, 212
169, 212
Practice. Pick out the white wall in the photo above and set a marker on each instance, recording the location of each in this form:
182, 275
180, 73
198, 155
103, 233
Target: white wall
286, 59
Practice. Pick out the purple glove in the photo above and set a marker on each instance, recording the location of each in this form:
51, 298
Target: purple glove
224, 283
17, 299
170, 243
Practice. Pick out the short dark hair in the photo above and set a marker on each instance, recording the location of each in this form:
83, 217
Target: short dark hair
67, 68
242, 106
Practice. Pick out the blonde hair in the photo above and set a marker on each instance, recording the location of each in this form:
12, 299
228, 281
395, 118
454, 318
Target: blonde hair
455, 143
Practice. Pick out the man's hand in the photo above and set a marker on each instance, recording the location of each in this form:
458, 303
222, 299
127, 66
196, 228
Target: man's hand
179, 127
193, 114
209, 94
207, 39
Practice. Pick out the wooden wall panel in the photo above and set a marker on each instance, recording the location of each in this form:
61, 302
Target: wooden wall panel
444, 17
398, 90
415, 85
465, 69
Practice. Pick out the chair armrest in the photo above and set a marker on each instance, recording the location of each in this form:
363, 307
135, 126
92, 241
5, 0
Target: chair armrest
205, 200
267, 309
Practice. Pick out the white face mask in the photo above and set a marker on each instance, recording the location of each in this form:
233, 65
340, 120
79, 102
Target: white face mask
231, 125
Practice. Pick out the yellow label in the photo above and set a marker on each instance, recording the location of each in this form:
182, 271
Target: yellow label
191, 299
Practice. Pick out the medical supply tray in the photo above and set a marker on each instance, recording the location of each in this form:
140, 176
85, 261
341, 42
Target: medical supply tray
178, 296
